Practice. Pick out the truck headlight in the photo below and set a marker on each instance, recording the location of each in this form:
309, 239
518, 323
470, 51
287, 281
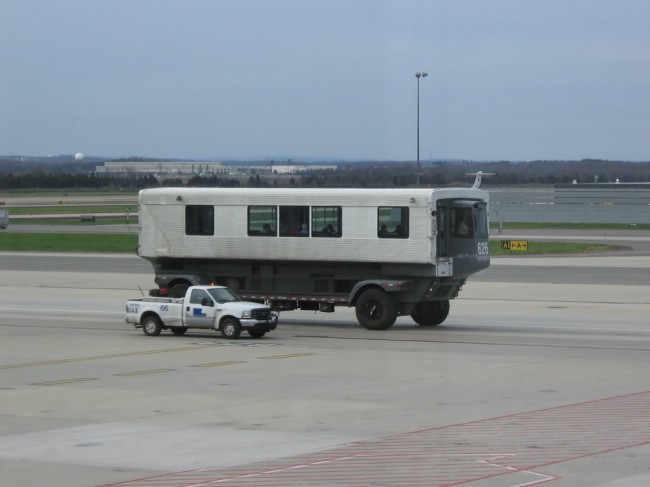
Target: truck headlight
246, 315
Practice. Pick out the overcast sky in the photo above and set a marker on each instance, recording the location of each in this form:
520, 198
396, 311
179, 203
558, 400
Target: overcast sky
213, 79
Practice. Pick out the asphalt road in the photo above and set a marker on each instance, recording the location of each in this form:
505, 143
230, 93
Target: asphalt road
538, 376
583, 269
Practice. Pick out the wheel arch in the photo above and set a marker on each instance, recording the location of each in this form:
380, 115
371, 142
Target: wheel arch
168, 281
150, 313
224, 318
388, 286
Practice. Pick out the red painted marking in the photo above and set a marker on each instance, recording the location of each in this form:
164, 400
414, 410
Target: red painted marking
450, 455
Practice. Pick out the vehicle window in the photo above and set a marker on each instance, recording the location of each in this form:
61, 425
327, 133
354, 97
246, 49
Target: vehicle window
392, 222
481, 221
223, 295
461, 222
197, 296
199, 220
294, 221
326, 221
262, 221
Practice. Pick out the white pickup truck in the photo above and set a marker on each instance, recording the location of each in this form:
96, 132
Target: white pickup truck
4, 219
210, 307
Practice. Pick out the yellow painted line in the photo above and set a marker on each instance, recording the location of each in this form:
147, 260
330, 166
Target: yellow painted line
289, 355
62, 381
218, 364
99, 357
143, 372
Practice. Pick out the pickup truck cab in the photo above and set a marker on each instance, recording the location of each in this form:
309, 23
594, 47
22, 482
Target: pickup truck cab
209, 307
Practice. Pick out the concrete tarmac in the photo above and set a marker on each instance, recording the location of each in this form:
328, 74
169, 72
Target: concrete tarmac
525, 383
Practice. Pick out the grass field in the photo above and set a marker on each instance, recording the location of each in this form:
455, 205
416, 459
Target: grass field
72, 209
570, 226
543, 248
121, 243
68, 242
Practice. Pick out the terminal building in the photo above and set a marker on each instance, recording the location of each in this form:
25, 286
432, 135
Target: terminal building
189, 168
163, 168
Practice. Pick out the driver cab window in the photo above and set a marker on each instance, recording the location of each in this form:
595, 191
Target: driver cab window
481, 221
461, 223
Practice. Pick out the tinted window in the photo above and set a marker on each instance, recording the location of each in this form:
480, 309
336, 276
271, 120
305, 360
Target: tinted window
262, 221
461, 222
294, 221
326, 221
392, 222
481, 221
197, 296
199, 220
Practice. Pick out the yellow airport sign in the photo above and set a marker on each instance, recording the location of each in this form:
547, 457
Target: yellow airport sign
514, 244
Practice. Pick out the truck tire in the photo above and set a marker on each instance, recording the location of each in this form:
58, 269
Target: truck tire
178, 330
178, 290
230, 328
376, 310
151, 325
431, 313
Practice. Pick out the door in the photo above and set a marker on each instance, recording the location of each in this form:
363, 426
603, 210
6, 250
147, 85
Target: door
199, 310
463, 235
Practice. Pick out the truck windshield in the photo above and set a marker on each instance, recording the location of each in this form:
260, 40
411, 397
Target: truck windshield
223, 295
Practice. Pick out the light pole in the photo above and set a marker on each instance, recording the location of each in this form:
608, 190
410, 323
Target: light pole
419, 75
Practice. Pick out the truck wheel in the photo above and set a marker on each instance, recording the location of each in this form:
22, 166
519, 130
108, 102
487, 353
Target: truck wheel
431, 313
230, 328
178, 330
151, 326
376, 310
178, 290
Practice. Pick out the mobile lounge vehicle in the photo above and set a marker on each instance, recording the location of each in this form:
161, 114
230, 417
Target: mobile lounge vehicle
387, 252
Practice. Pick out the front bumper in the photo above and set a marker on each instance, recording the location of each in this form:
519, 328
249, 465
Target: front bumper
265, 325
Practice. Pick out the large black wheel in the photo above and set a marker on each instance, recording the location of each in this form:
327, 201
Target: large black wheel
178, 330
230, 328
178, 290
151, 326
376, 310
431, 313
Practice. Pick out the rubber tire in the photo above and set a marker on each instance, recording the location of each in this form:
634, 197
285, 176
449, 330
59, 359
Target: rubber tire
178, 290
431, 313
256, 333
151, 326
376, 310
178, 330
230, 328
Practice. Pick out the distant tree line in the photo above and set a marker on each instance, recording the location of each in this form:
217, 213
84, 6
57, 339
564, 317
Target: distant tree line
358, 174
48, 180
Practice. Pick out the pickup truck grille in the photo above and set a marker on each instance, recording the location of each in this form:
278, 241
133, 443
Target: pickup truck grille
261, 314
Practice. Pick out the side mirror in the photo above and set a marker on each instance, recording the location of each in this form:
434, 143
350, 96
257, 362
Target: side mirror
207, 302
